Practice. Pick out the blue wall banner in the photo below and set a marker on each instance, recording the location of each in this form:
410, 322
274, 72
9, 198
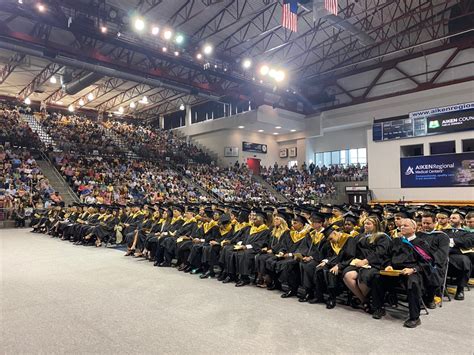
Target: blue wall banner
446, 170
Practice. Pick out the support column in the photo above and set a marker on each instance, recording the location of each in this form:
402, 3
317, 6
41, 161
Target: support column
161, 122
188, 117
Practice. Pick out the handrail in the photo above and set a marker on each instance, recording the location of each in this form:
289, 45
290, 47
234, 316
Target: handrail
58, 175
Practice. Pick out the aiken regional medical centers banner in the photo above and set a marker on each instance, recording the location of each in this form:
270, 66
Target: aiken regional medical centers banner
446, 170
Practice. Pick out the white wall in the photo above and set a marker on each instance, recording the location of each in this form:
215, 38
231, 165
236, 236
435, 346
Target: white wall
384, 170
216, 141
339, 140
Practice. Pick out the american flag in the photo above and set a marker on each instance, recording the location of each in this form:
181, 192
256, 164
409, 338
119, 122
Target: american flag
331, 6
289, 15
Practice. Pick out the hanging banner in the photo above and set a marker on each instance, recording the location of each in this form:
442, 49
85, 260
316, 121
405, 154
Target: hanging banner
254, 147
446, 170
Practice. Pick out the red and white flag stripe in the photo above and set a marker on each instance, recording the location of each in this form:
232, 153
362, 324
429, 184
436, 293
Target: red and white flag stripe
289, 19
331, 6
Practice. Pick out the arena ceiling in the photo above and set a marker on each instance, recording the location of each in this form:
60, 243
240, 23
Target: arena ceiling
66, 39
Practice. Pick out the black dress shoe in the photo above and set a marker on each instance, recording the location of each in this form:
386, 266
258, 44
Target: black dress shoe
273, 286
431, 305
242, 283
288, 294
378, 313
206, 275
228, 279
222, 277
164, 264
412, 323
306, 298
316, 300
182, 267
330, 303
459, 296
187, 269
196, 271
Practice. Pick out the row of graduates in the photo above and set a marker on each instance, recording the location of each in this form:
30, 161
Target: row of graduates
320, 252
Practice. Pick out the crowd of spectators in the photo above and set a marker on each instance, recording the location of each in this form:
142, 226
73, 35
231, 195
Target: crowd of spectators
313, 183
113, 180
23, 187
232, 184
15, 131
79, 135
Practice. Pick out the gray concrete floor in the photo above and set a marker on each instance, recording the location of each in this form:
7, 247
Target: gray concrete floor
60, 298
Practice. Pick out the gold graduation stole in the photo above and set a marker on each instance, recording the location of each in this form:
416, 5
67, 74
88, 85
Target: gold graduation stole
102, 216
239, 226
277, 233
174, 220
136, 214
317, 236
225, 230
259, 229
394, 234
337, 246
208, 225
439, 227
187, 221
335, 219
297, 236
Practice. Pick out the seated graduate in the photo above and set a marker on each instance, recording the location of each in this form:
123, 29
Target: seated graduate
142, 220
438, 242
251, 246
183, 237
227, 255
461, 253
310, 262
68, 231
210, 231
69, 218
139, 235
80, 230
285, 267
335, 255
147, 231
105, 228
211, 251
158, 231
185, 243
371, 253
410, 255
167, 240
442, 219
278, 243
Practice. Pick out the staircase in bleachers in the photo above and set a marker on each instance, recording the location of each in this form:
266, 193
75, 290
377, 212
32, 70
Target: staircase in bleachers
267, 186
119, 142
38, 129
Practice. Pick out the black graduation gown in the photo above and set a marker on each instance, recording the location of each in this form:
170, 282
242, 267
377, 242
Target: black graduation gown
438, 243
276, 245
376, 253
227, 257
460, 264
245, 265
210, 253
168, 239
170, 243
195, 256
183, 249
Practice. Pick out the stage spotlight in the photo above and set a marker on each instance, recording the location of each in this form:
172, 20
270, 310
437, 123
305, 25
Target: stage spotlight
280, 75
260, 130
155, 30
247, 63
241, 127
292, 130
120, 109
164, 49
132, 104
71, 108
90, 96
81, 102
207, 49
199, 56
181, 107
27, 101
176, 53
20, 2
144, 100
139, 24
278, 127
53, 80
179, 39
103, 29
272, 73
275, 133
41, 7
167, 35
264, 69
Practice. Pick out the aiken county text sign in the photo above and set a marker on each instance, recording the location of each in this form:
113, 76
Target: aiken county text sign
446, 170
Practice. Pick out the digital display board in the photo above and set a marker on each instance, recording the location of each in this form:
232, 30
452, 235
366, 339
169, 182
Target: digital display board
254, 147
444, 170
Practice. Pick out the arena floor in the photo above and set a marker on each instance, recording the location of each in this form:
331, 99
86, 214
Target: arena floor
60, 298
